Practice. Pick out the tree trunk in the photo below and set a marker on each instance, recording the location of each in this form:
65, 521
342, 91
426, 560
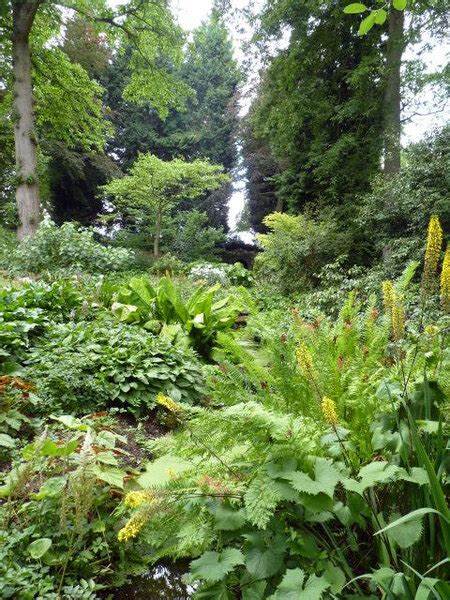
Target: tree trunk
392, 98
27, 191
157, 233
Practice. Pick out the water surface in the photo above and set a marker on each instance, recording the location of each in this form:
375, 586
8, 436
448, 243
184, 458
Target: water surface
160, 581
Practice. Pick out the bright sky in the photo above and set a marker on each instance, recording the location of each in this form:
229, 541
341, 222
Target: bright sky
191, 12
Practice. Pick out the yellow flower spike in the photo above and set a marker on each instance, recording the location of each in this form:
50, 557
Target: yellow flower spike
445, 281
168, 403
132, 528
398, 319
135, 499
434, 244
304, 359
389, 296
171, 473
329, 410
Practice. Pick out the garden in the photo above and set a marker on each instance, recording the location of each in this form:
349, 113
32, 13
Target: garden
184, 413
142, 420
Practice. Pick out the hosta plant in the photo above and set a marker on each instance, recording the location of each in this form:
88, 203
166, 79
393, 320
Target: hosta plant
90, 366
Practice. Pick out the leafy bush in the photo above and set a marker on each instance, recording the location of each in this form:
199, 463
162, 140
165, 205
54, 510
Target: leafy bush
68, 248
295, 249
200, 318
396, 210
192, 238
168, 264
26, 311
209, 273
239, 275
8, 244
57, 526
225, 274
18, 323
15, 408
90, 366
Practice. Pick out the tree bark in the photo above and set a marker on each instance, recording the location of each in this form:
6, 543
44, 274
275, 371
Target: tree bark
392, 98
27, 190
157, 233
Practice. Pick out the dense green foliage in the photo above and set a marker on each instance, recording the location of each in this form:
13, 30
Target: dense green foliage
68, 248
319, 105
195, 322
296, 462
87, 367
293, 433
145, 197
205, 129
278, 433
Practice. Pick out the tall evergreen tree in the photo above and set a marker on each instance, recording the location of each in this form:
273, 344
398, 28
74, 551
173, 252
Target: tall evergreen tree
204, 129
320, 105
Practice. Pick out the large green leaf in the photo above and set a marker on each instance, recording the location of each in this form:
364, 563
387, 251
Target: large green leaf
367, 24
214, 566
229, 519
142, 290
374, 473
111, 475
160, 471
52, 487
39, 547
355, 8
7, 441
127, 313
265, 555
326, 478
291, 587
218, 591
399, 4
407, 530
253, 591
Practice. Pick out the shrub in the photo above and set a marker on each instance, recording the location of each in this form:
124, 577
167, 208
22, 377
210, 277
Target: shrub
68, 248
57, 537
198, 320
168, 264
8, 244
223, 273
26, 311
396, 210
239, 275
193, 239
295, 249
18, 323
209, 273
15, 408
90, 366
